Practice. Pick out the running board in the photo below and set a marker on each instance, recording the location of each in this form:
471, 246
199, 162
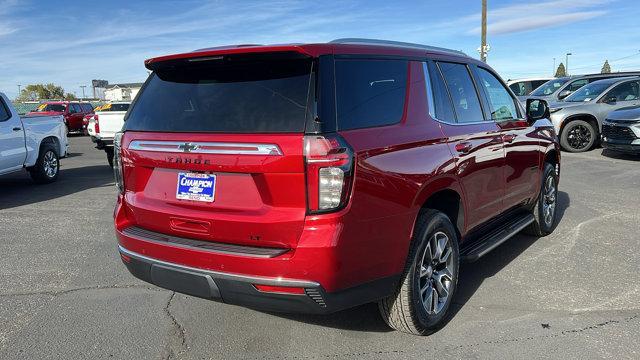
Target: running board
490, 241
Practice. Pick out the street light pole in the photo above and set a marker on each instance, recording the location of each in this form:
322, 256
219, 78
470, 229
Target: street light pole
82, 87
19, 85
483, 40
553, 73
566, 63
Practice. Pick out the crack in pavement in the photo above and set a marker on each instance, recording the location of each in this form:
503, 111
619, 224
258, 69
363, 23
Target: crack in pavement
177, 334
88, 288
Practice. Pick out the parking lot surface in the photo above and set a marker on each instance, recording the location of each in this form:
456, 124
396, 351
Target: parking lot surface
65, 294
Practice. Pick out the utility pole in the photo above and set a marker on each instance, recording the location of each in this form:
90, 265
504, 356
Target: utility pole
82, 87
553, 73
566, 63
19, 85
483, 41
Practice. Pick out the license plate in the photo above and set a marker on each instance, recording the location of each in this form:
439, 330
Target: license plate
196, 187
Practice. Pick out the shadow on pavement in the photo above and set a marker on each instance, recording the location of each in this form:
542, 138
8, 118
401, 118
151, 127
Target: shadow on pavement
362, 318
18, 189
620, 156
472, 275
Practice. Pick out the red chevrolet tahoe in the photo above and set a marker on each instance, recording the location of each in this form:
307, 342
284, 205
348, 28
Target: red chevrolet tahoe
314, 178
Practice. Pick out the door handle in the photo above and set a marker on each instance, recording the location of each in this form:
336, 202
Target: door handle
17, 128
463, 147
508, 138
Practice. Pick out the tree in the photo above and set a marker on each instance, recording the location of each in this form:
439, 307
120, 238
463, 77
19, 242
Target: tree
561, 71
606, 68
41, 92
70, 96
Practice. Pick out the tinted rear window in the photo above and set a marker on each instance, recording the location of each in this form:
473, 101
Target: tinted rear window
4, 111
225, 96
115, 107
370, 92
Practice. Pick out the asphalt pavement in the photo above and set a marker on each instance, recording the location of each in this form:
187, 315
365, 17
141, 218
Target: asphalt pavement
64, 294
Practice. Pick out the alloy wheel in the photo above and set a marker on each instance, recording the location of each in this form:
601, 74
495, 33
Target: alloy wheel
579, 137
436, 273
50, 164
549, 200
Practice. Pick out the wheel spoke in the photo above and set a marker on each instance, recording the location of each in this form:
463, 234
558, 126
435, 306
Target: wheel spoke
436, 299
424, 271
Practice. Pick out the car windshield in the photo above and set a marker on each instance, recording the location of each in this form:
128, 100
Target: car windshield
51, 107
549, 87
588, 92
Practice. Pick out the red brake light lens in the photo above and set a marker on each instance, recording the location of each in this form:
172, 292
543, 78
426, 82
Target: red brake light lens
329, 166
97, 127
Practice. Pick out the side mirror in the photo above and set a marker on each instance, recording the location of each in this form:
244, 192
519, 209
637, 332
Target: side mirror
563, 94
537, 109
610, 100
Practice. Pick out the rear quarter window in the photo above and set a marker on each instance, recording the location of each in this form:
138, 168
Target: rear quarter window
370, 93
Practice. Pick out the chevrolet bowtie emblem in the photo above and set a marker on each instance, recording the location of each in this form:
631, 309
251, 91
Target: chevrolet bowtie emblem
188, 147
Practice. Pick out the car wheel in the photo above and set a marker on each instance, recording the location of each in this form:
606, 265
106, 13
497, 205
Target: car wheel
421, 302
47, 166
578, 136
544, 210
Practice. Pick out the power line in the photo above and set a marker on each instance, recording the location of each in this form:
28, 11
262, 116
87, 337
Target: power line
610, 61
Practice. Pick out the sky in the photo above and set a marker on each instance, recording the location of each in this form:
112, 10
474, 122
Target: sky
69, 43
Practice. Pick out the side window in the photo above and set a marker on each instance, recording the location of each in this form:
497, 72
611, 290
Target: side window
4, 111
370, 92
440, 105
577, 84
462, 91
87, 107
77, 108
502, 105
518, 88
537, 83
627, 91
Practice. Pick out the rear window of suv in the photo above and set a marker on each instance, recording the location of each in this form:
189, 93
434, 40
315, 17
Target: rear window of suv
370, 92
225, 96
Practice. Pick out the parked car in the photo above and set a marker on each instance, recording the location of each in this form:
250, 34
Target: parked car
34, 143
314, 178
103, 125
523, 87
72, 112
621, 130
558, 89
578, 119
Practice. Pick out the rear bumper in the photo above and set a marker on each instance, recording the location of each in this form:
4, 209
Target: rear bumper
240, 289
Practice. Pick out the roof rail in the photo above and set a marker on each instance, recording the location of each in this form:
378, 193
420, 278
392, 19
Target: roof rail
395, 43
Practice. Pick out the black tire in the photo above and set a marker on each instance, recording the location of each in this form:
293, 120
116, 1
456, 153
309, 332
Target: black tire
404, 310
578, 136
47, 167
542, 226
109, 156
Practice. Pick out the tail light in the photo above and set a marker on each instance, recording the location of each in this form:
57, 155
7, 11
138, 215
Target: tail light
329, 167
97, 126
117, 162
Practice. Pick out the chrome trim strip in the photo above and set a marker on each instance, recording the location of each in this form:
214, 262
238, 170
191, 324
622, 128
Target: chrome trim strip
260, 280
206, 147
